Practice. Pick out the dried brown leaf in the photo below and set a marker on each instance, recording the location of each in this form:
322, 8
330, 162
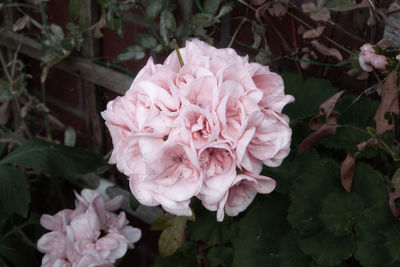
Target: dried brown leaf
314, 33
389, 103
385, 43
392, 198
347, 172
301, 29
100, 25
257, 2
277, 10
328, 105
4, 113
21, 23
324, 131
308, 6
304, 65
362, 76
333, 52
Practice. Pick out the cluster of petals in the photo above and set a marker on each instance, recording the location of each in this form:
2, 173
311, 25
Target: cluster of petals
369, 60
91, 235
203, 129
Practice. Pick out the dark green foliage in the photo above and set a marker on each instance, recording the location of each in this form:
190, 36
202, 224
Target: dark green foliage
58, 160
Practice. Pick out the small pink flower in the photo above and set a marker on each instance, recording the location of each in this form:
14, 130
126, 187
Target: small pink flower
369, 60
90, 235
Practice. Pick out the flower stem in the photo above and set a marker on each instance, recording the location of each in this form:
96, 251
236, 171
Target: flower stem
178, 53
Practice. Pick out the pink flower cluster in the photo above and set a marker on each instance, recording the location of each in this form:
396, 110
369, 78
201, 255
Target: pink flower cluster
204, 129
91, 235
369, 60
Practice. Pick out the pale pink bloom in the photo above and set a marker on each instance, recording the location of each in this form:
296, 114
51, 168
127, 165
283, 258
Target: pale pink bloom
90, 235
181, 131
177, 180
241, 194
369, 60
218, 164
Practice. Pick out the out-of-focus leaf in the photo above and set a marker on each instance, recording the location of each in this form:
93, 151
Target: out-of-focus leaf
211, 6
16, 252
172, 237
133, 202
153, 8
147, 41
321, 14
314, 33
225, 9
134, 52
21, 23
14, 191
167, 22
69, 136
220, 256
332, 52
5, 94
345, 5
57, 159
74, 8
57, 31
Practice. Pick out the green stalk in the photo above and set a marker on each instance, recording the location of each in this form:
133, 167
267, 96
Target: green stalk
178, 53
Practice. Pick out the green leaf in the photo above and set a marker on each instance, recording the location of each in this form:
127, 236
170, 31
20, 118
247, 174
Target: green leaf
225, 9
290, 168
147, 41
74, 8
264, 236
58, 160
134, 52
134, 204
340, 211
69, 136
206, 228
172, 237
324, 215
378, 242
308, 95
167, 22
5, 94
347, 138
211, 6
153, 8
340, 5
14, 191
17, 253
220, 256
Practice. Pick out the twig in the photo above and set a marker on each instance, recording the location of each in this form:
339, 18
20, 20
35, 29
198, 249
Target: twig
244, 20
3, 64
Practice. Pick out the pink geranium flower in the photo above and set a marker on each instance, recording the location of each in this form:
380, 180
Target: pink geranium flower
90, 235
369, 60
191, 130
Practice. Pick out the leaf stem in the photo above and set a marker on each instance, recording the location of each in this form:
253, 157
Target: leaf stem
244, 20
178, 53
